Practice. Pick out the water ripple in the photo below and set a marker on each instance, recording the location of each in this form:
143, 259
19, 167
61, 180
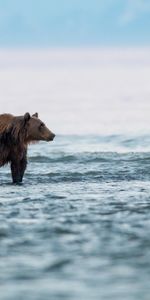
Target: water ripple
79, 221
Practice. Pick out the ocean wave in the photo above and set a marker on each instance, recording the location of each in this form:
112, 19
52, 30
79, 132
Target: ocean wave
88, 157
103, 175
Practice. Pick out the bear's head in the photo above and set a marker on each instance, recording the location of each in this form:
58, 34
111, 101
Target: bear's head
36, 130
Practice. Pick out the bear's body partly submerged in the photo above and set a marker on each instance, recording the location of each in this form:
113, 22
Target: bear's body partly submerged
16, 132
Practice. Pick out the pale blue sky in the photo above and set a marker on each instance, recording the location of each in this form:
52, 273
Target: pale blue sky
74, 22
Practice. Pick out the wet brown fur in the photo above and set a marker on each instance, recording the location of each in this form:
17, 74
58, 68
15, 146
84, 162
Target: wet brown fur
15, 135
5, 121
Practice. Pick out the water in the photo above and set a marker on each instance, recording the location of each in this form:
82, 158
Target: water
78, 227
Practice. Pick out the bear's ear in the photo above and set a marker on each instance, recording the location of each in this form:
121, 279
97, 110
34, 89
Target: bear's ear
26, 117
35, 115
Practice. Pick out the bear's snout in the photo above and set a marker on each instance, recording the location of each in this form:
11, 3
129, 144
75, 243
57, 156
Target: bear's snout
51, 137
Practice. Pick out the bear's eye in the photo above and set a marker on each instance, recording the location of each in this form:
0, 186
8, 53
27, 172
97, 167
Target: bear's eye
42, 125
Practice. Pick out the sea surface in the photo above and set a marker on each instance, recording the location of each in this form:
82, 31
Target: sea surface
78, 227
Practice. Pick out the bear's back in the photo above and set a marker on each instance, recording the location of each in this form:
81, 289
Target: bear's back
5, 120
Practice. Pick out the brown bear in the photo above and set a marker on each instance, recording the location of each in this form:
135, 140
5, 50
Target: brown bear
16, 132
